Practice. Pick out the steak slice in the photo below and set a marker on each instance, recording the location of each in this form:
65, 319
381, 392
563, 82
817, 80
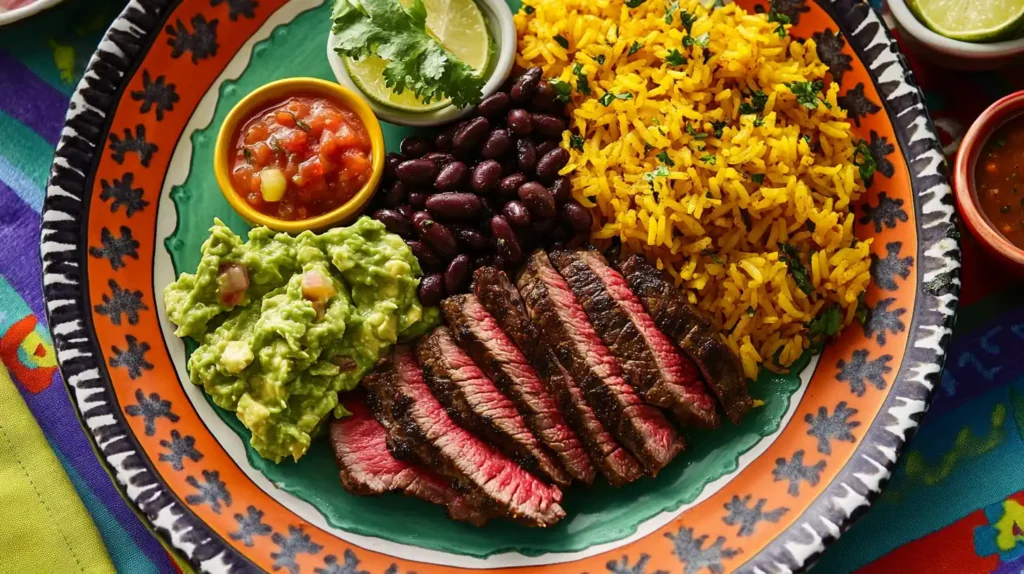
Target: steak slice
650, 361
475, 403
417, 423
367, 467
563, 325
502, 301
694, 333
480, 336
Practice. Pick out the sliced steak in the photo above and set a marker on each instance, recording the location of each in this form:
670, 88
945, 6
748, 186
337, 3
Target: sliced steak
502, 301
563, 325
693, 332
483, 340
650, 361
367, 467
476, 403
417, 423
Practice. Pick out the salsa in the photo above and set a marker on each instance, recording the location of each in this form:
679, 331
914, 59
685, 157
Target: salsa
999, 179
301, 158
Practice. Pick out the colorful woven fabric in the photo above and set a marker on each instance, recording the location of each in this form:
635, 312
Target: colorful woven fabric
955, 504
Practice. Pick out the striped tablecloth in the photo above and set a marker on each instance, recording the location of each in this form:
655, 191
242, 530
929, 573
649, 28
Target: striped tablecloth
955, 504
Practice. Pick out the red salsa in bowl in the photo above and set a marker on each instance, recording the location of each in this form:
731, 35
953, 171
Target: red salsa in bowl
300, 158
999, 180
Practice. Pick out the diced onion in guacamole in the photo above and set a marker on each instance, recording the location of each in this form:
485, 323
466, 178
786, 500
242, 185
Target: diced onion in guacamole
286, 323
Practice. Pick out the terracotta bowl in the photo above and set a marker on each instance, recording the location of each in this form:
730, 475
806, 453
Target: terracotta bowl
963, 181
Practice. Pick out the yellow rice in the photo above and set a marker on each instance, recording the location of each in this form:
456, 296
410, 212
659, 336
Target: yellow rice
714, 229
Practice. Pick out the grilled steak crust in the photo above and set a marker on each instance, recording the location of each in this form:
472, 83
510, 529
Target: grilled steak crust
563, 325
418, 424
367, 467
476, 403
483, 340
650, 361
693, 332
501, 299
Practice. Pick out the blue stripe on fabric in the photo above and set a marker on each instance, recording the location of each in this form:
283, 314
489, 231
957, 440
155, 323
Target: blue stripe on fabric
30, 100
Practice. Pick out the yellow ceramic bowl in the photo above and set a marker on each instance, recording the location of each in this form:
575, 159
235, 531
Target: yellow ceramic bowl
275, 93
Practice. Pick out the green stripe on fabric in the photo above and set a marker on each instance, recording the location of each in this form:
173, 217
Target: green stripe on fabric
25, 150
119, 543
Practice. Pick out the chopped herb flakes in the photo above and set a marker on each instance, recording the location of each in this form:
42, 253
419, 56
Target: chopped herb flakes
528, 9
576, 142
301, 124
606, 99
563, 91
582, 84
274, 145
758, 178
791, 257
687, 20
696, 135
862, 308
758, 122
600, 60
718, 127
662, 171
674, 58
750, 311
634, 48
780, 19
864, 161
827, 324
634, 3
701, 40
756, 104
663, 157
248, 154
708, 159
807, 93
669, 10
811, 226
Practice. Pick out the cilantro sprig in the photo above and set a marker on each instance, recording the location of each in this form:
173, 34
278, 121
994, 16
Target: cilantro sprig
756, 104
608, 97
791, 257
807, 94
415, 60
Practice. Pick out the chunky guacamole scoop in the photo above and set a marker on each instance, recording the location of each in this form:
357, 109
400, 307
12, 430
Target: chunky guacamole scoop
286, 323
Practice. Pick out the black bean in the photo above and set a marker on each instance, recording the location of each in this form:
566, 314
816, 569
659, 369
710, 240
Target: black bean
431, 291
471, 135
485, 176
493, 106
497, 144
509, 186
417, 199
561, 189
406, 210
443, 141
545, 99
453, 205
547, 125
414, 147
576, 216
426, 256
550, 163
419, 217
440, 158
394, 221
451, 176
526, 85
505, 238
519, 123
537, 199
457, 274
391, 161
396, 194
417, 171
544, 147
472, 239
517, 213
439, 237
526, 155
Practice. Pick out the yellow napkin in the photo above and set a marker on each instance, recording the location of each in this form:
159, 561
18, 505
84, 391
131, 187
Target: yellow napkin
43, 525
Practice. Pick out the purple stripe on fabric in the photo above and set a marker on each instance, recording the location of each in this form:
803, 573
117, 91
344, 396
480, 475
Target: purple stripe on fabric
19, 234
30, 100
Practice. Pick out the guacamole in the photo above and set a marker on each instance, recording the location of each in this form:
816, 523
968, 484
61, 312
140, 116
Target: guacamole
286, 323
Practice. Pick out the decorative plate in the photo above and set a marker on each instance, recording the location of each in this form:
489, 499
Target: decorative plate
132, 195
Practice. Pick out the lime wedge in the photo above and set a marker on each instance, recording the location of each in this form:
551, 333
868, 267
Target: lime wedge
460, 27
971, 20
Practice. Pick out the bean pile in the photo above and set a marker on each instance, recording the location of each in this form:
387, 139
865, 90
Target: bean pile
486, 190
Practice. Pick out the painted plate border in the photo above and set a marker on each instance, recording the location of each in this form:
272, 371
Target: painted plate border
84, 137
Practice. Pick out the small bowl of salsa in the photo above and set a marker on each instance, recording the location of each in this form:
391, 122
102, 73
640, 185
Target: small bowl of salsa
989, 180
300, 153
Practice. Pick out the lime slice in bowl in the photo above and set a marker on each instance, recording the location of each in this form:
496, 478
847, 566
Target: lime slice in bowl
458, 25
971, 20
